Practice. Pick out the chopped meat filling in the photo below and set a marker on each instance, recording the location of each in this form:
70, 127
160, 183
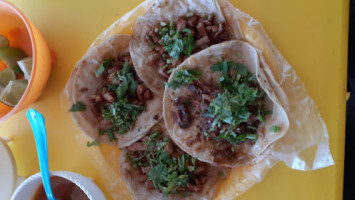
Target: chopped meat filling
122, 96
172, 42
146, 160
199, 100
182, 112
104, 96
195, 103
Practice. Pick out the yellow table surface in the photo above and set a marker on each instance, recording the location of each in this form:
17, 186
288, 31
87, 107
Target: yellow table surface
312, 36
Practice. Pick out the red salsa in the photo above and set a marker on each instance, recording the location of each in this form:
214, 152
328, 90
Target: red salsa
63, 189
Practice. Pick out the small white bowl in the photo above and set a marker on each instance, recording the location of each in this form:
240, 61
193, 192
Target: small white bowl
27, 189
8, 170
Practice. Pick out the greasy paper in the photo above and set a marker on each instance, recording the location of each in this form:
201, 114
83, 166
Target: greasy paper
305, 146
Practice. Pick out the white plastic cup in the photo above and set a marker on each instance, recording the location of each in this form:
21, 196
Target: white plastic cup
27, 189
8, 171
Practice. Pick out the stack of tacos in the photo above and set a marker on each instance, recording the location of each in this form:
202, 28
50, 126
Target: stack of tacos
184, 98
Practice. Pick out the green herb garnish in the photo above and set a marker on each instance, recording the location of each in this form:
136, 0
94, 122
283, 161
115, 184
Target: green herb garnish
189, 14
175, 42
188, 42
102, 67
274, 129
231, 106
220, 173
262, 113
127, 82
162, 23
183, 77
109, 132
122, 114
166, 172
78, 106
93, 143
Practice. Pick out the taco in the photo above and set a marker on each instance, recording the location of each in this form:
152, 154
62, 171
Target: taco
169, 32
220, 108
109, 101
155, 168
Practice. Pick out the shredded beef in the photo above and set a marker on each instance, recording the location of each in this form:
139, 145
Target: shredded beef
163, 72
83, 89
202, 42
198, 88
156, 117
108, 97
143, 93
181, 24
193, 188
203, 94
169, 148
149, 184
223, 152
201, 28
138, 146
182, 113
194, 104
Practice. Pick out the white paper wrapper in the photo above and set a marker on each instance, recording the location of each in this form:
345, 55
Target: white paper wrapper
305, 146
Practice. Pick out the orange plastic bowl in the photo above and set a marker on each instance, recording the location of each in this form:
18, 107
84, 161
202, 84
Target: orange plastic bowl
23, 34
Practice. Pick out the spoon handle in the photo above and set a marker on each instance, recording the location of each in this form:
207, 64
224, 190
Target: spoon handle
39, 130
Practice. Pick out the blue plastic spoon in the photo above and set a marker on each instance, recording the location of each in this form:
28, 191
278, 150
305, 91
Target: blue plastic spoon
39, 131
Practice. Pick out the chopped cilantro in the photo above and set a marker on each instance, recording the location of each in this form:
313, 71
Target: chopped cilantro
151, 44
78, 106
253, 137
162, 23
109, 132
233, 75
188, 42
189, 14
122, 114
252, 127
127, 82
93, 143
183, 77
175, 42
274, 129
231, 106
170, 70
102, 67
154, 134
205, 133
167, 173
101, 132
175, 49
235, 138
262, 113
